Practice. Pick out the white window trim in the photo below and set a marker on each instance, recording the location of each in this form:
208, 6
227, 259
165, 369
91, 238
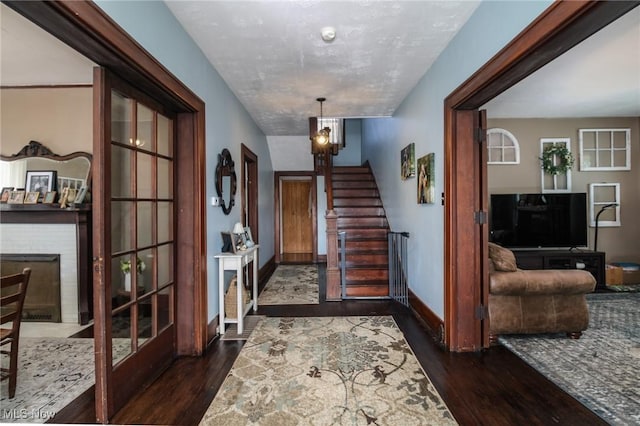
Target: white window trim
509, 136
589, 168
595, 207
554, 188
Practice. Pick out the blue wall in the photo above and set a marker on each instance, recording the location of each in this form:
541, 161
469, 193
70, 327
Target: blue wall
420, 119
228, 124
350, 155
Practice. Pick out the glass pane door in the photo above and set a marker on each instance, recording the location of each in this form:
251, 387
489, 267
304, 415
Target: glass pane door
142, 225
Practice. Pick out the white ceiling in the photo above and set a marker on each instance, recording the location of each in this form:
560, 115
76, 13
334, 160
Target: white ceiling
272, 56
600, 77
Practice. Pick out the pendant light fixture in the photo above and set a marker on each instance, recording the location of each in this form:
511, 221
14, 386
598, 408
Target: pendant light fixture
322, 135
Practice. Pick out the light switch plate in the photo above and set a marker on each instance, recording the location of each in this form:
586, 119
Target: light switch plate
215, 201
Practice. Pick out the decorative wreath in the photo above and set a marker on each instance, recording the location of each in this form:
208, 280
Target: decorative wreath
556, 159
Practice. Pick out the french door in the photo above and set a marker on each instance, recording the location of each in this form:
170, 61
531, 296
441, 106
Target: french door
134, 263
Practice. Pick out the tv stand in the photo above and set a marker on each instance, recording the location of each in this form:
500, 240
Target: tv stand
593, 261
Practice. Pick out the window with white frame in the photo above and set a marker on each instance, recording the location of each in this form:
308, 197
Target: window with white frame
605, 149
604, 204
559, 181
502, 147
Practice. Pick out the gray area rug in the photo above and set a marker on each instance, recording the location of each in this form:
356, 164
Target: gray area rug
291, 285
602, 368
327, 371
52, 372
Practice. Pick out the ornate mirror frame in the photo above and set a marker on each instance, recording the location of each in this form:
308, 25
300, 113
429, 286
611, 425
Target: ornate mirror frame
225, 168
35, 149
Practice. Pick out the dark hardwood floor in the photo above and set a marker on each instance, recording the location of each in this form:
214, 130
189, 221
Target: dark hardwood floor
492, 387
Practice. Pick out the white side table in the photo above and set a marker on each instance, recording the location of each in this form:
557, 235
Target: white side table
236, 262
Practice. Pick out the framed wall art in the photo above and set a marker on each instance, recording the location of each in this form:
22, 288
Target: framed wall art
426, 179
408, 161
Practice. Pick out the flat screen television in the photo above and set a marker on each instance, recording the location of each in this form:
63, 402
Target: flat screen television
539, 220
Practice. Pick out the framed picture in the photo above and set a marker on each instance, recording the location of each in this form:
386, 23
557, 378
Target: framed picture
16, 197
6, 192
247, 238
229, 242
31, 197
71, 195
82, 193
408, 161
426, 179
41, 181
49, 197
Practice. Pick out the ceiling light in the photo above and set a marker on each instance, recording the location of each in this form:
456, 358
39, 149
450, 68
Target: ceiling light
322, 136
328, 34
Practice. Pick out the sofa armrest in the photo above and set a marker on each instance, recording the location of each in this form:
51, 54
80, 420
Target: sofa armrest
547, 281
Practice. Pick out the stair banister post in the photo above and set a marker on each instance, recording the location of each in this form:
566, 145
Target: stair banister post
334, 290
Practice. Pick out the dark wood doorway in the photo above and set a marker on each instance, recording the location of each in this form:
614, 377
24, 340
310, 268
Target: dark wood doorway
87, 29
556, 30
250, 193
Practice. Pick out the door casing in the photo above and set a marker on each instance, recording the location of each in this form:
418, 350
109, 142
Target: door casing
560, 27
91, 32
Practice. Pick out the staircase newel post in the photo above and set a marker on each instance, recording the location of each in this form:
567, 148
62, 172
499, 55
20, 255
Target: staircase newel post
334, 290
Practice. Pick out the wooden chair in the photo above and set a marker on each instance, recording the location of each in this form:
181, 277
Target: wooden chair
14, 290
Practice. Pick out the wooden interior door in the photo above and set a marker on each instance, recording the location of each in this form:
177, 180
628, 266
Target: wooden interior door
134, 261
297, 217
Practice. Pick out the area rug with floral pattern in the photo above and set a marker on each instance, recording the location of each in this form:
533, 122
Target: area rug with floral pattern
52, 372
327, 371
291, 285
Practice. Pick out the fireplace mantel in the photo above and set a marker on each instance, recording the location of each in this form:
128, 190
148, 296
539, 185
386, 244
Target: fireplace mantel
52, 214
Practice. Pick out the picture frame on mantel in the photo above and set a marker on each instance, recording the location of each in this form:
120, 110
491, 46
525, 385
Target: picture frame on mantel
32, 197
16, 197
6, 192
49, 197
41, 181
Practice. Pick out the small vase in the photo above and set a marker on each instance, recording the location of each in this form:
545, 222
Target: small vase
127, 282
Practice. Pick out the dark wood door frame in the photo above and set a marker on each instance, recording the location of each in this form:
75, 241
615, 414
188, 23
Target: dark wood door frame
556, 30
249, 179
314, 214
87, 29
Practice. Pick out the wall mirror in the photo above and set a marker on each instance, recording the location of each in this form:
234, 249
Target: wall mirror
73, 170
226, 181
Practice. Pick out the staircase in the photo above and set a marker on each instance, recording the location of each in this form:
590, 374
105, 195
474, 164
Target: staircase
361, 215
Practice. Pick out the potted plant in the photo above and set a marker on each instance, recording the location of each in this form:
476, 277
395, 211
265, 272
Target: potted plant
125, 267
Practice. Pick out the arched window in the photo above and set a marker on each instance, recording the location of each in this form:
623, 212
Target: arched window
503, 147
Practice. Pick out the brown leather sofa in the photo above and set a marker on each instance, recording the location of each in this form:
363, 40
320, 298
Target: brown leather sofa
536, 301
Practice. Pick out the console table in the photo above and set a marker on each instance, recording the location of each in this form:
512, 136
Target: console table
592, 261
236, 262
